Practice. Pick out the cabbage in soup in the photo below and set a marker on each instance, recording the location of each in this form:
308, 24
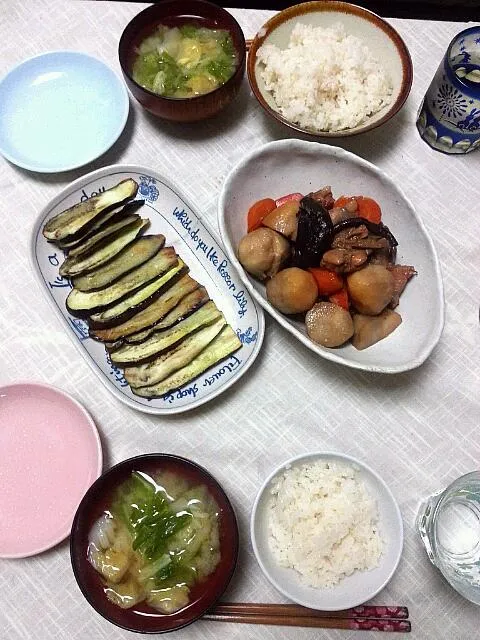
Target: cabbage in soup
157, 539
185, 61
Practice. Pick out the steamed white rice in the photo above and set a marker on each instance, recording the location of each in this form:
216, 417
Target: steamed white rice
323, 523
325, 80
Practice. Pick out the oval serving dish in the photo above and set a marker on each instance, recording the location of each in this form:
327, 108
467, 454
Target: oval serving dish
295, 165
170, 214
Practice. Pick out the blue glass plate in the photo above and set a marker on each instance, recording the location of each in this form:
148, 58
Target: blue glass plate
59, 111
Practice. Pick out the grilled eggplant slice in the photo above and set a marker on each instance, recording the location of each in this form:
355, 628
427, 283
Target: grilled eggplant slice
187, 305
134, 255
144, 375
138, 353
138, 300
102, 236
79, 302
76, 218
222, 346
149, 315
107, 217
111, 346
76, 266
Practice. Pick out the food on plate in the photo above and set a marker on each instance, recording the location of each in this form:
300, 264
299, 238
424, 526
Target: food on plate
284, 219
91, 301
76, 220
292, 290
130, 258
370, 289
326, 79
77, 265
207, 315
329, 324
185, 61
138, 298
371, 329
225, 343
155, 540
263, 251
170, 361
337, 262
323, 522
154, 316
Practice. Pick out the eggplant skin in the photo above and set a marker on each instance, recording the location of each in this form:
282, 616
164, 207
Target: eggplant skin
73, 220
145, 351
179, 356
103, 236
159, 309
98, 320
72, 267
223, 345
93, 301
134, 255
108, 217
185, 306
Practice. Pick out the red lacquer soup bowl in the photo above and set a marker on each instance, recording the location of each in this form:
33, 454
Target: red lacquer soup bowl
203, 595
176, 13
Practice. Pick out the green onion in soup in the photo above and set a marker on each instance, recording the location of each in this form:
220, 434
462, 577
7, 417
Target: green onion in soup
185, 61
157, 539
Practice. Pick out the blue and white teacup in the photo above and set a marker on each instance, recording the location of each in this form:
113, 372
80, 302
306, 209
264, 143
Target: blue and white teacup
449, 117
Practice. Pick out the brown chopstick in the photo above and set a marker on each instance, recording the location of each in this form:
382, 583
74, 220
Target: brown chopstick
364, 611
364, 618
358, 624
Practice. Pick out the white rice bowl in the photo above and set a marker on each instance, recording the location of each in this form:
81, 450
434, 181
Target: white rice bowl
325, 79
323, 522
349, 590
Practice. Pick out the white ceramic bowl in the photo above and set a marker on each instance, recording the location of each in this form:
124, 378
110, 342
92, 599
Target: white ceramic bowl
380, 37
352, 590
286, 166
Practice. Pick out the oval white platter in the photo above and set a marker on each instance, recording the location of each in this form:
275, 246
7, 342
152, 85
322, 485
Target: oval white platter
170, 214
286, 166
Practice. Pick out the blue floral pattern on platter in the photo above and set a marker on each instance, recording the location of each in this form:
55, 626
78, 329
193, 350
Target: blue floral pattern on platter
147, 188
170, 214
449, 117
248, 336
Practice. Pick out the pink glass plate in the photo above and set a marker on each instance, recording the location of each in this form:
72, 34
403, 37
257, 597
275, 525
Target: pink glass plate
50, 453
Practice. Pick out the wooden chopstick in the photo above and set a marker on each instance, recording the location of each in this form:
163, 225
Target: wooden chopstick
358, 624
365, 618
365, 611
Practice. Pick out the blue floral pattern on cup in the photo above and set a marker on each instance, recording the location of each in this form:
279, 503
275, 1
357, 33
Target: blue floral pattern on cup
449, 117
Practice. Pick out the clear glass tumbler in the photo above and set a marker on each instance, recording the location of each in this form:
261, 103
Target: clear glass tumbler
449, 525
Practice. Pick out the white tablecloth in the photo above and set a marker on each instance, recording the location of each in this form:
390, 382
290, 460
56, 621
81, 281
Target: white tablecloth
419, 430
